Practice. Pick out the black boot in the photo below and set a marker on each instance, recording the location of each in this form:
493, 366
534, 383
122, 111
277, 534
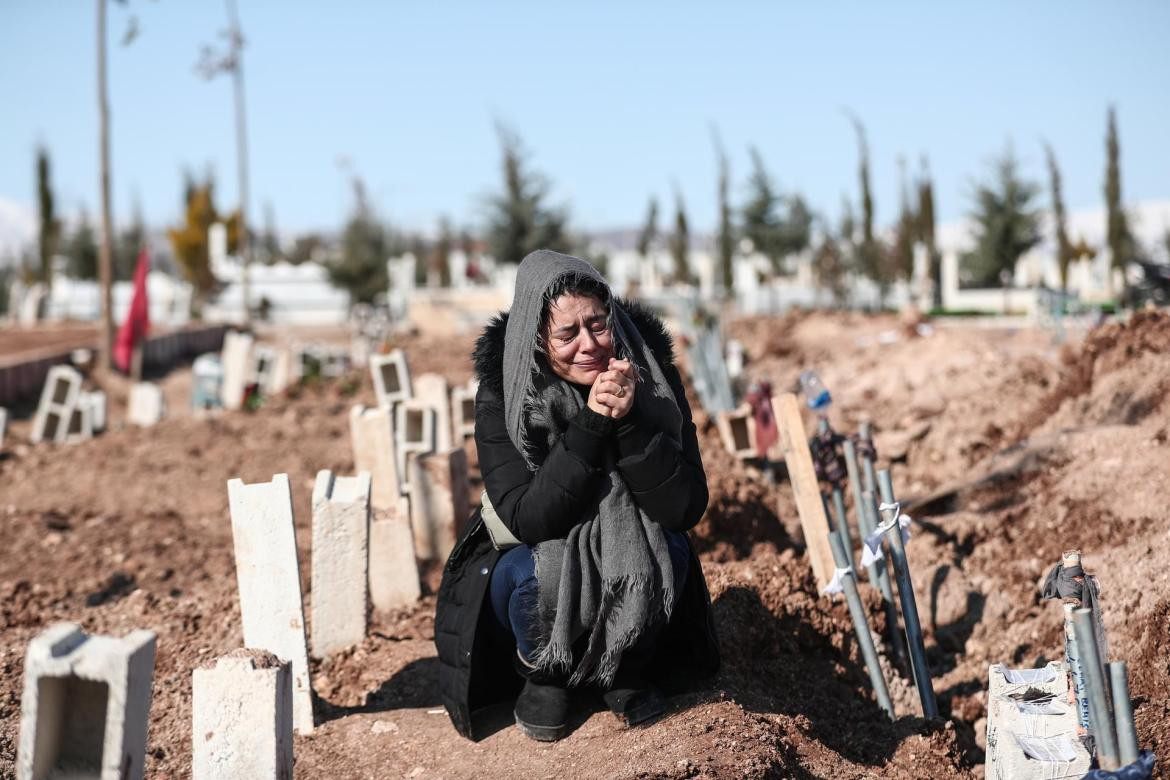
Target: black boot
542, 710
632, 697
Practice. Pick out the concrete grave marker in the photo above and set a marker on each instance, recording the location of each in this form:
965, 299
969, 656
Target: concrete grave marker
371, 432
463, 412
263, 360
146, 406
431, 389
737, 430
242, 718
440, 496
80, 423
58, 399
96, 402
237, 368
281, 374
86, 705
394, 581
414, 434
206, 382
270, 581
341, 547
391, 377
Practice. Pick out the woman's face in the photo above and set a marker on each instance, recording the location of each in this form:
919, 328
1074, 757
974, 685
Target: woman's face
577, 338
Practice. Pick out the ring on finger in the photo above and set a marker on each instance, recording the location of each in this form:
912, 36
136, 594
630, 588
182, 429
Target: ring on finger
621, 391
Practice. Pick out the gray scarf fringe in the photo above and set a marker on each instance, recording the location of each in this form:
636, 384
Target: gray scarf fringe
611, 576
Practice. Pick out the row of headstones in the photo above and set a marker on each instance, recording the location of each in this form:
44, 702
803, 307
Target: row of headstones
246, 706
222, 380
86, 699
68, 413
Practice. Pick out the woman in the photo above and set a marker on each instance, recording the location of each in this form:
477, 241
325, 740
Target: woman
576, 571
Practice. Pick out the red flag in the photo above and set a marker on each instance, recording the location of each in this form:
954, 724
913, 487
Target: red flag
137, 323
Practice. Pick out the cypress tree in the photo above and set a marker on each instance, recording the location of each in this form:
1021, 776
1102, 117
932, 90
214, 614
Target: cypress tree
1117, 234
1064, 248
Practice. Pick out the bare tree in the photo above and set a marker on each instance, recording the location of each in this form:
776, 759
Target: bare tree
231, 60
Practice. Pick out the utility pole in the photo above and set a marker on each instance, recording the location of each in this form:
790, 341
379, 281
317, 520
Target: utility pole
232, 61
105, 248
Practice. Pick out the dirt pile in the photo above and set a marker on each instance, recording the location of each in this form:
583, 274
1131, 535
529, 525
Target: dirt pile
131, 530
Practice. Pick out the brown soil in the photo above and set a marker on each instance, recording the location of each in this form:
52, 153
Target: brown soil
131, 530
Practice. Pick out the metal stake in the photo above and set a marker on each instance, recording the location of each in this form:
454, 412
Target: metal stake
1123, 713
1076, 669
918, 666
860, 625
1098, 702
897, 641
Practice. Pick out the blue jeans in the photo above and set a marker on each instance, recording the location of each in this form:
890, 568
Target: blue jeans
514, 595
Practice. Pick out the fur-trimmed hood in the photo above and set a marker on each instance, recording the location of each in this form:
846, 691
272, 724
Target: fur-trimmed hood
488, 355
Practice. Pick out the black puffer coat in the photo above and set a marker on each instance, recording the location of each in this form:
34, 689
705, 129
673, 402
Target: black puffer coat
475, 654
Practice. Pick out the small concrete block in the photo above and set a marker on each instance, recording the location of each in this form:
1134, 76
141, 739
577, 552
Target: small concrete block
341, 547
206, 382
440, 493
431, 389
96, 402
372, 434
263, 358
270, 581
391, 377
146, 406
414, 434
80, 423
58, 399
737, 430
394, 581
86, 705
237, 368
281, 374
242, 718
463, 412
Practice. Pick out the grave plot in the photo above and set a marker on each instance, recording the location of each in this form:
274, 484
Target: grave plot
794, 697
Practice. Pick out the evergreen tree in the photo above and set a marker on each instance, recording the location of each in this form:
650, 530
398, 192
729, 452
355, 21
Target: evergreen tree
190, 240
50, 226
1007, 223
906, 231
441, 255
1065, 253
870, 257
649, 229
777, 226
130, 242
1122, 247
830, 261
366, 245
680, 242
519, 221
924, 218
82, 251
725, 242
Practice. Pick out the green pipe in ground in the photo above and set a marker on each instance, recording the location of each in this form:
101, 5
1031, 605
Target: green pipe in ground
1099, 715
1127, 743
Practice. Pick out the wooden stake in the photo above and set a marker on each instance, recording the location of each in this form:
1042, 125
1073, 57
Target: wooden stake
802, 475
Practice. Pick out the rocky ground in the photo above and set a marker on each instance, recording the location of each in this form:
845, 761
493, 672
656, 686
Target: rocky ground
1010, 446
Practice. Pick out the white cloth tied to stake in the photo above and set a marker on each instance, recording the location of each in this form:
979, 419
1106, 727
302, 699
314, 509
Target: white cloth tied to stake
835, 584
871, 551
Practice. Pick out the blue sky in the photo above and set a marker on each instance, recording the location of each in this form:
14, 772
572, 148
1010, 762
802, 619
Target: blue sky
615, 101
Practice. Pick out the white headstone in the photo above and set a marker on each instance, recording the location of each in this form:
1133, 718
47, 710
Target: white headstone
431, 389
414, 434
146, 406
394, 581
463, 412
391, 376
341, 547
371, 432
237, 368
270, 581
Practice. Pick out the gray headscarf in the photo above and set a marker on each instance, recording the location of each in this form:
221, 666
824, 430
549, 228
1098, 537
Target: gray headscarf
611, 576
